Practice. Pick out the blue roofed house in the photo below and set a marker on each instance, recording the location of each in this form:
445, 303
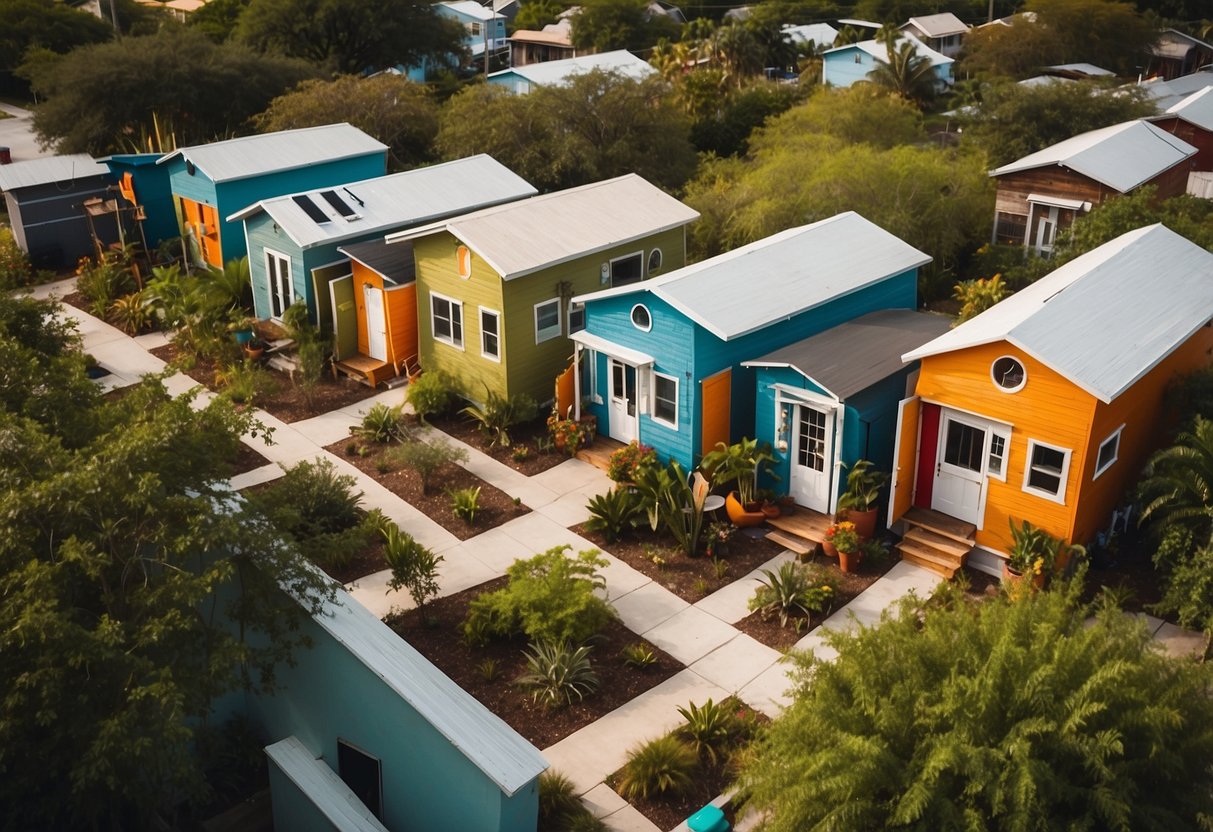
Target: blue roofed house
843, 66
522, 79
212, 181
662, 361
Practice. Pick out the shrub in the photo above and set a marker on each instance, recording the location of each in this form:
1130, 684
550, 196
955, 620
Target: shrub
499, 414
549, 597
382, 424
625, 461
976, 296
488, 670
15, 269
614, 511
465, 502
243, 381
312, 357
708, 729
662, 766
432, 394
414, 567
558, 672
638, 655
425, 458
130, 314
795, 587
560, 810
318, 508
104, 281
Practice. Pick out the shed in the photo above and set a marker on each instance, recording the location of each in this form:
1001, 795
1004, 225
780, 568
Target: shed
45, 197
148, 183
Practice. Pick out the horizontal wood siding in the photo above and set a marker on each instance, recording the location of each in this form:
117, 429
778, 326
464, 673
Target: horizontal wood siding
1173, 181
1049, 409
262, 235
1013, 188
1202, 140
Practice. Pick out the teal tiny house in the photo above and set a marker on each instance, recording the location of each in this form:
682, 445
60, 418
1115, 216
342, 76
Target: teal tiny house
148, 183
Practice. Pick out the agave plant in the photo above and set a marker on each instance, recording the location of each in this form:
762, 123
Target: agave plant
558, 672
793, 589
708, 729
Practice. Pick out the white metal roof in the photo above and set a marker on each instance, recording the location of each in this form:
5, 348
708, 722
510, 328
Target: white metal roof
1169, 93
393, 202
822, 34
880, 52
1083, 69
780, 276
531, 234
1122, 156
285, 150
550, 73
326, 791
1196, 109
1106, 318
471, 9
49, 169
939, 25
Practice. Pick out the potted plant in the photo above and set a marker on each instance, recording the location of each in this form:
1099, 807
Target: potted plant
254, 349
1034, 555
861, 500
842, 541
243, 330
719, 535
739, 463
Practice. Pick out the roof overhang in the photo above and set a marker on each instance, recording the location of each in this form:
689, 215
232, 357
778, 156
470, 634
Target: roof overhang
600, 344
1059, 202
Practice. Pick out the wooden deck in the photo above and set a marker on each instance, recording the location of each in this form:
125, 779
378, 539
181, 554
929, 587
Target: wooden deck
370, 371
599, 452
941, 524
801, 531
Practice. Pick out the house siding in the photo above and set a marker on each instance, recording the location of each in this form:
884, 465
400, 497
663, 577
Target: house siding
1199, 138
262, 235
48, 220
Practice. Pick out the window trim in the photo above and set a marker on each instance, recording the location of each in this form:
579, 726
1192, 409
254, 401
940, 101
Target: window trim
1005, 435
647, 313
568, 317
648, 265
497, 317
454, 304
1114, 436
552, 331
1060, 496
655, 375
629, 256
290, 281
1023, 382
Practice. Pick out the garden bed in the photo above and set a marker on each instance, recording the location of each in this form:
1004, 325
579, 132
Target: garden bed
436, 633
247, 459
526, 436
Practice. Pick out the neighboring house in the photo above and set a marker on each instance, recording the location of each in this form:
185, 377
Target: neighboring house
1045, 406
662, 361
522, 79
843, 66
554, 42
144, 183
1175, 54
1166, 94
45, 201
818, 35
1192, 121
830, 400
212, 181
1079, 71
294, 240
493, 287
483, 27
1044, 191
942, 32
375, 307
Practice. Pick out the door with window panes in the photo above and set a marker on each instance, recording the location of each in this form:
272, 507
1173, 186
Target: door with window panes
960, 468
812, 456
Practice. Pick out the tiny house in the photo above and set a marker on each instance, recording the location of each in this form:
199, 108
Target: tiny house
843, 66
1192, 121
45, 201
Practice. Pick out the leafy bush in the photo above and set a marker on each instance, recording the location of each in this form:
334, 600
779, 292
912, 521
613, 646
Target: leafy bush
613, 512
708, 729
382, 424
976, 296
15, 269
425, 458
662, 766
560, 810
638, 655
130, 314
624, 462
312, 357
104, 281
671, 502
558, 672
243, 381
465, 502
414, 567
549, 597
499, 414
794, 588
318, 508
432, 394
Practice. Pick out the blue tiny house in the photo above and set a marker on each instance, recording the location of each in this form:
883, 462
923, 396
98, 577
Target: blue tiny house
139, 176
843, 66
213, 181
662, 361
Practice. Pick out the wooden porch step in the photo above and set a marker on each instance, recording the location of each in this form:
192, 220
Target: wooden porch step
941, 524
929, 558
599, 452
938, 542
804, 523
797, 544
363, 368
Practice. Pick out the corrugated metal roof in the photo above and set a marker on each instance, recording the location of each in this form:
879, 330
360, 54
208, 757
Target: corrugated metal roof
1090, 70
853, 356
556, 37
822, 34
1122, 156
939, 25
531, 234
780, 276
394, 262
1169, 93
389, 203
1196, 109
554, 73
326, 791
49, 169
471, 9
880, 52
241, 158
1104, 319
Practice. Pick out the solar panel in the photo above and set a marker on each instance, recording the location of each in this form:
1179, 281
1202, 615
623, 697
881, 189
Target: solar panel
311, 209
338, 203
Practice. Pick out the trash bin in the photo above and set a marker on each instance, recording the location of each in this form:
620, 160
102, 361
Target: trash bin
6, 156
708, 819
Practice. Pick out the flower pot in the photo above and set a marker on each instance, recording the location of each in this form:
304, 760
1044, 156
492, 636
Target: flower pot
253, 350
1016, 581
831, 551
865, 522
849, 561
737, 513
770, 510
243, 336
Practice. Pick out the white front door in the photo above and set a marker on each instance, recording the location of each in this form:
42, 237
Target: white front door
812, 456
960, 468
622, 408
376, 322
1046, 231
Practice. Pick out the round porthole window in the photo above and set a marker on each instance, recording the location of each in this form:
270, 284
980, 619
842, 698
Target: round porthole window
641, 318
1008, 374
654, 260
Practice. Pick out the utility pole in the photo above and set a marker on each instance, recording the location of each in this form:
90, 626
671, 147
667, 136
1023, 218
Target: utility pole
489, 5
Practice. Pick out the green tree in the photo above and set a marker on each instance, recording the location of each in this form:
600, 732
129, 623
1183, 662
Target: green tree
43, 24
393, 109
218, 18
1187, 215
101, 98
994, 715
350, 36
603, 25
535, 14
906, 74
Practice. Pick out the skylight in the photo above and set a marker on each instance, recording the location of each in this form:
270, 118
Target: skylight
312, 210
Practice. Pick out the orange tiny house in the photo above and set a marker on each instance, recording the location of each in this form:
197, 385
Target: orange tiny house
375, 313
1045, 407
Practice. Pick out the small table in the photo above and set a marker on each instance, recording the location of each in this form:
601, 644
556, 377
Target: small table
713, 502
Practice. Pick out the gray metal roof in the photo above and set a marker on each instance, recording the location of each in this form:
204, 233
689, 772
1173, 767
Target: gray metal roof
938, 25
394, 262
1166, 94
767, 281
521, 237
241, 158
880, 52
1196, 109
1104, 319
556, 73
391, 203
1122, 156
820, 34
49, 169
1090, 70
857, 354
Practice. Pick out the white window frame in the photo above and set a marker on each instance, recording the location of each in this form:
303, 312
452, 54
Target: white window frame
272, 275
496, 316
622, 257
658, 419
474, 28
648, 265
1022, 381
1004, 435
456, 307
647, 313
568, 317
555, 331
1114, 436
1060, 496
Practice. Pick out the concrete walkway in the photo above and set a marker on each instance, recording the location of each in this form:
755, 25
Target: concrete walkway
17, 134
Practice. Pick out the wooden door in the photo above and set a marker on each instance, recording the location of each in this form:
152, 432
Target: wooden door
345, 318
716, 401
905, 453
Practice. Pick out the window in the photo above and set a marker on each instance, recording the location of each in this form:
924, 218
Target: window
1109, 452
363, 773
447, 318
282, 289
996, 462
858, 58
811, 438
1046, 471
576, 317
665, 399
474, 28
641, 319
463, 262
964, 445
1010, 228
490, 334
625, 270
1008, 374
654, 260
547, 320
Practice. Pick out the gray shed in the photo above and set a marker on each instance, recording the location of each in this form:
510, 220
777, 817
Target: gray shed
44, 199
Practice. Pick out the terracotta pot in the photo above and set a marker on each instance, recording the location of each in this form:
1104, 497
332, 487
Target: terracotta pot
738, 515
829, 548
253, 352
1014, 580
849, 561
770, 510
865, 522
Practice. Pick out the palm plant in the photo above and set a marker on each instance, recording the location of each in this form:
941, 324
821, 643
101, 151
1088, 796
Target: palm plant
793, 589
907, 74
613, 512
1178, 484
708, 729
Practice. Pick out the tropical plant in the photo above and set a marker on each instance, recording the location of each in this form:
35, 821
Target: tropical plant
1036, 552
1177, 485
426, 458
499, 414
104, 280
242, 381
557, 672
15, 268
976, 296
659, 767
795, 588
708, 729
863, 487
433, 393
571, 434
319, 509
614, 512
130, 314
673, 502
719, 534
560, 809
741, 463
906, 73
488, 670
638, 655
623, 463
465, 502
414, 567
843, 536
382, 424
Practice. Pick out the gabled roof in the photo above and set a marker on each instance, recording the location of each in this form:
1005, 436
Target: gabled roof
821, 34
547, 35
939, 25
853, 356
1196, 109
1106, 318
880, 52
49, 169
391, 203
471, 9
522, 237
394, 262
1122, 156
773, 279
1166, 94
1087, 70
249, 156
550, 73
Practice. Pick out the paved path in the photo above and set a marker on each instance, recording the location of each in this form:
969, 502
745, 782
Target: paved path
17, 134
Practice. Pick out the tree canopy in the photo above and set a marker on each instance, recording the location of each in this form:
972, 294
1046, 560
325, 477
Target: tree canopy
999, 714
603, 25
44, 24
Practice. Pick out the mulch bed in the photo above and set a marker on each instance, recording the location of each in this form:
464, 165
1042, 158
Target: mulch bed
285, 401
524, 436
435, 633
366, 561
247, 459
496, 507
